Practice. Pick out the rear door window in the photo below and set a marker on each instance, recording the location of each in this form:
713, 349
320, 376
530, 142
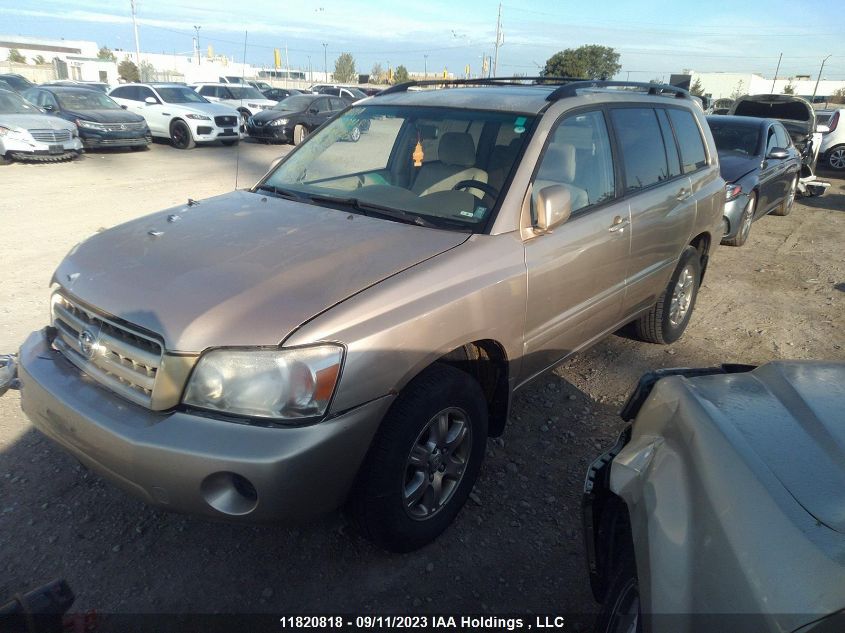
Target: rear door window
693, 154
643, 153
672, 157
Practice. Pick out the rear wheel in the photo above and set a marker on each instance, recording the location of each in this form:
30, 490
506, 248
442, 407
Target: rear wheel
667, 319
785, 207
180, 135
299, 134
744, 223
423, 461
836, 158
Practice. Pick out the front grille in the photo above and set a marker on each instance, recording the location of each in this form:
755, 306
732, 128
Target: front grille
226, 121
50, 136
119, 127
121, 359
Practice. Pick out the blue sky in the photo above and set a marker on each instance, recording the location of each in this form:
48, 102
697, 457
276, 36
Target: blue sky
654, 38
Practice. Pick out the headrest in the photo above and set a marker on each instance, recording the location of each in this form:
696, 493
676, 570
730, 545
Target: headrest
558, 163
456, 148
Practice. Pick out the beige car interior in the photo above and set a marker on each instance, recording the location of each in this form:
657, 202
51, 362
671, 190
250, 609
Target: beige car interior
456, 162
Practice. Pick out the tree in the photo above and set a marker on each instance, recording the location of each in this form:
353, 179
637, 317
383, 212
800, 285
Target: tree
106, 55
696, 88
128, 71
789, 89
400, 75
739, 90
589, 62
838, 96
15, 56
344, 68
376, 74
147, 71
39, 59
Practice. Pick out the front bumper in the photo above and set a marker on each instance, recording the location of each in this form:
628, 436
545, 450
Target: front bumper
733, 215
268, 132
191, 463
208, 131
24, 146
94, 139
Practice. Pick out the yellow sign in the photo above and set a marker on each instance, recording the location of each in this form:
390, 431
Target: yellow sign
277, 58
445, 74
210, 51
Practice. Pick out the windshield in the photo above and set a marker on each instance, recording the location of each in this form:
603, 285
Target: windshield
440, 167
735, 138
245, 92
180, 94
11, 103
296, 103
358, 94
85, 99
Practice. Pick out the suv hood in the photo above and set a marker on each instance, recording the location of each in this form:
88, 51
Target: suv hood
239, 269
214, 109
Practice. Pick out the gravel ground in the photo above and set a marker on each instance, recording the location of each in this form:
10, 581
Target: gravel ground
516, 547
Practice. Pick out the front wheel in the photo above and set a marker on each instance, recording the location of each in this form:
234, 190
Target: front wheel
355, 134
423, 461
180, 135
785, 207
299, 134
836, 158
667, 319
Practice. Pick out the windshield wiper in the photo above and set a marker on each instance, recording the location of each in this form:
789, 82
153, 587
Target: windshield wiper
366, 207
283, 193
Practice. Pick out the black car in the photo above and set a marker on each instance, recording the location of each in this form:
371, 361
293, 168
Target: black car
760, 164
280, 94
100, 120
292, 119
91, 85
347, 93
17, 82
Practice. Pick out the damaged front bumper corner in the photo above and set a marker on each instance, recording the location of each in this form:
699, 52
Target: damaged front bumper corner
8, 372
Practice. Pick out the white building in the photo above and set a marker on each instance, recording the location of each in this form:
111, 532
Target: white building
727, 85
70, 59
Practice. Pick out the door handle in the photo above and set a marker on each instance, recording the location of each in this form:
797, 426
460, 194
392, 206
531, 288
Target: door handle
683, 194
619, 224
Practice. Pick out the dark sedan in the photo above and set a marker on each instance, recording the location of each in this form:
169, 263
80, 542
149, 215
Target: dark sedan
280, 94
294, 118
760, 165
100, 120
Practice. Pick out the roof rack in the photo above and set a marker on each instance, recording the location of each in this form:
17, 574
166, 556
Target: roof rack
571, 89
481, 81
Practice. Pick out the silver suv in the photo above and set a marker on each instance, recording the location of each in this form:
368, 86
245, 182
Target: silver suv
353, 329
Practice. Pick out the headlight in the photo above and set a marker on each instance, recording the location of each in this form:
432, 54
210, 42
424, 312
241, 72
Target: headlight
198, 117
90, 125
282, 384
279, 122
732, 191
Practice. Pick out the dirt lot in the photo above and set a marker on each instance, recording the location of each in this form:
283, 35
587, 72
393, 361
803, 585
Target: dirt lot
517, 545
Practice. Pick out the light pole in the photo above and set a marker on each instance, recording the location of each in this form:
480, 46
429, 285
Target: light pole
197, 29
135, 28
425, 65
310, 74
325, 61
818, 79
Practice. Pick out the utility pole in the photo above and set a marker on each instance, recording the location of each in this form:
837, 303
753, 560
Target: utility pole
135, 28
499, 41
325, 62
197, 29
818, 79
776, 73
425, 65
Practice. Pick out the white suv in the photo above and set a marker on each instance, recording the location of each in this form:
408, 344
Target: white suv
178, 113
832, 150
245, 99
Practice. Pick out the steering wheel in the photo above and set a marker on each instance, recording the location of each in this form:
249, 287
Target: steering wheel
488, 189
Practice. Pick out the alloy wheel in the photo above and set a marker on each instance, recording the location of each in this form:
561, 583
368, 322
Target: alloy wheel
747, 219
436, 464
681, 296
790, 198
836, 159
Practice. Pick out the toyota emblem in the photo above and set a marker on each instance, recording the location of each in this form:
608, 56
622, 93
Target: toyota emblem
87, 344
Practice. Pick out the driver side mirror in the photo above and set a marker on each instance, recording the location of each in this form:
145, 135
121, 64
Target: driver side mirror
312, 110
150, 101
48, 107
778, 153
554, 206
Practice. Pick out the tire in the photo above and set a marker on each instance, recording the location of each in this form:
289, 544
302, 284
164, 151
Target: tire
405, 457
299, 134
745, 223
667, 319
621, 611
785, 207
836, 158
180, 135
355, 134
229, 143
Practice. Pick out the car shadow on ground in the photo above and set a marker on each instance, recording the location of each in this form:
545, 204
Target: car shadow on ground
516, 547
830, 201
